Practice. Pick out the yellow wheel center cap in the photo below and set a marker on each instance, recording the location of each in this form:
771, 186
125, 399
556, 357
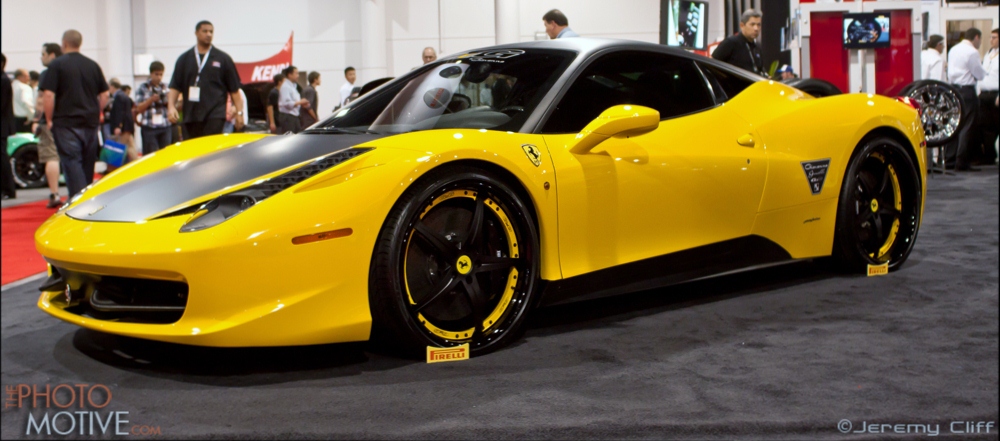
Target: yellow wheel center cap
874, 206
464, 265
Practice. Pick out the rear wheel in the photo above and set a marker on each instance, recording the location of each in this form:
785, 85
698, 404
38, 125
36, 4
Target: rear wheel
814, 86
879, 211
455, 263
28, 173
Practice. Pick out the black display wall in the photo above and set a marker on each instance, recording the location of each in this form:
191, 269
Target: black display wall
775, 21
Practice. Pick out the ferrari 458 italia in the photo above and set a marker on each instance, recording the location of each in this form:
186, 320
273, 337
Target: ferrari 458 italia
443, 206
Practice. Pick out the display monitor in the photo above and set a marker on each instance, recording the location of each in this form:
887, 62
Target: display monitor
866, 31
688, 24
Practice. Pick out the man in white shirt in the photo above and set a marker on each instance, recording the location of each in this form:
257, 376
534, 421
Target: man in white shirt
931, 61
347, 89
965, 69
989, 90
290, 102
24, 101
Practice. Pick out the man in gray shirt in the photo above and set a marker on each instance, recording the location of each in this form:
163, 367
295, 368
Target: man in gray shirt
308, 115
290, 102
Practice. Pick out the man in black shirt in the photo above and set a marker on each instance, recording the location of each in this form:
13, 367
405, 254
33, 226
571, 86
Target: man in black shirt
74, 93
204, 75
6, 129
272, 103
122, 122
741, 49
47, 153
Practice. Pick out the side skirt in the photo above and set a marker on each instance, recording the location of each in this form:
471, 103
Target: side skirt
697, 263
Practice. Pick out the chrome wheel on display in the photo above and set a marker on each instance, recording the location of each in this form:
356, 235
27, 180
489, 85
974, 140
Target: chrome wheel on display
941, 110
456, 264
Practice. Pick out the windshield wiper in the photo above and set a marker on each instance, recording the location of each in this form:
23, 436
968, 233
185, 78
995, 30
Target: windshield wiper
338, 130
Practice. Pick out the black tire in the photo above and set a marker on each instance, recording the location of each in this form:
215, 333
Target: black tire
28, 173
941, 106
814, 86
878, 215
418, 292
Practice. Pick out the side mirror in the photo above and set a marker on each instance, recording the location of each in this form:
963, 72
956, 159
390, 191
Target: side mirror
626, 120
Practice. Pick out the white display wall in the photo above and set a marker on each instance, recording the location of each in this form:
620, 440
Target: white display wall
327, 32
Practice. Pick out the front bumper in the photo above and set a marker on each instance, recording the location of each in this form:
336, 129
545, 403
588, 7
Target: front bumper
254, 289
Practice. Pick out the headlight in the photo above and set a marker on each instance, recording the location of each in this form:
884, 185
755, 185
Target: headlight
221, 209
229, 205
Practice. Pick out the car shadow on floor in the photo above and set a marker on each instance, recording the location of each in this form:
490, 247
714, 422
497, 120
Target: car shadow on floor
608, 311
240, 367
229, 367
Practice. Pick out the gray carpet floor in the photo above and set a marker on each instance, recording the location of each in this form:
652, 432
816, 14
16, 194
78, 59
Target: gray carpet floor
782, 353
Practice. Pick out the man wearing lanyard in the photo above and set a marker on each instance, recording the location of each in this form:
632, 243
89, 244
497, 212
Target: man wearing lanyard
964, 70
204, 75
741, 49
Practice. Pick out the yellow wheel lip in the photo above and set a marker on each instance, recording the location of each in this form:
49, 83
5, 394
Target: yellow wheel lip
897, 204
505, 300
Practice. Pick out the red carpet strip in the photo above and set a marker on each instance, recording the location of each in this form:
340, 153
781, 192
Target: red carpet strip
17, 225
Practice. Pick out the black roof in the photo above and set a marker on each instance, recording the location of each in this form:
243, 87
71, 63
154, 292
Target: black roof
586, 47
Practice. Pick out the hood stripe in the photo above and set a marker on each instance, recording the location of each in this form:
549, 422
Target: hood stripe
142, 198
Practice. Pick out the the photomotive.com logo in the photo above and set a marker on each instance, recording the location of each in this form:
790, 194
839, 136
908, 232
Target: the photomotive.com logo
934, 429
72, 409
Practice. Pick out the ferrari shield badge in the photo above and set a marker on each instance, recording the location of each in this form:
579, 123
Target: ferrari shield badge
533, 153
816, 174
439, 355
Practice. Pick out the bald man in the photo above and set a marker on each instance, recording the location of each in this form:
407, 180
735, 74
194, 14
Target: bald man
429, 55
24, 101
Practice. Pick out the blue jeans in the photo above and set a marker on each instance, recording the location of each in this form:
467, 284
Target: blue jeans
78, 149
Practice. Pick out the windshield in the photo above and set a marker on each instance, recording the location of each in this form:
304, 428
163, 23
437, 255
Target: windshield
495, 90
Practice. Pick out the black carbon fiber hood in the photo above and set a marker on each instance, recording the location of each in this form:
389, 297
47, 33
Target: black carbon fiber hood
147, 196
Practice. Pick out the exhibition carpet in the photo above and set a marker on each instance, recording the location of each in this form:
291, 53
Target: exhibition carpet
793, 353
20, 260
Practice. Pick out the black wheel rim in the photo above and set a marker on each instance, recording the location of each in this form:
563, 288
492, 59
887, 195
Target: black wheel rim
465, 268
27, 170
883, 207
941, 111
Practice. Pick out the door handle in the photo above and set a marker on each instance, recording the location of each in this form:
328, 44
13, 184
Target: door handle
747, 141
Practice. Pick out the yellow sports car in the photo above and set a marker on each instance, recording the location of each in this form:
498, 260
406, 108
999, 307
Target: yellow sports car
443, 206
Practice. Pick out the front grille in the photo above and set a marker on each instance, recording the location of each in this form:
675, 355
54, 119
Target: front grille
121, 299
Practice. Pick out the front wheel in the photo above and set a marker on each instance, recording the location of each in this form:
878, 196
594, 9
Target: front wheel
456, 262
879, 211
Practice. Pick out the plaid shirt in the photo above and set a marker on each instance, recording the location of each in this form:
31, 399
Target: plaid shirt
146, 91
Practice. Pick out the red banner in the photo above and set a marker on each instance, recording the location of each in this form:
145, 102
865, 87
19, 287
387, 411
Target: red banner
265, 70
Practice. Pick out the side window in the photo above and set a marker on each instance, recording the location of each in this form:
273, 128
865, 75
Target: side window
723, 81
673, 86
